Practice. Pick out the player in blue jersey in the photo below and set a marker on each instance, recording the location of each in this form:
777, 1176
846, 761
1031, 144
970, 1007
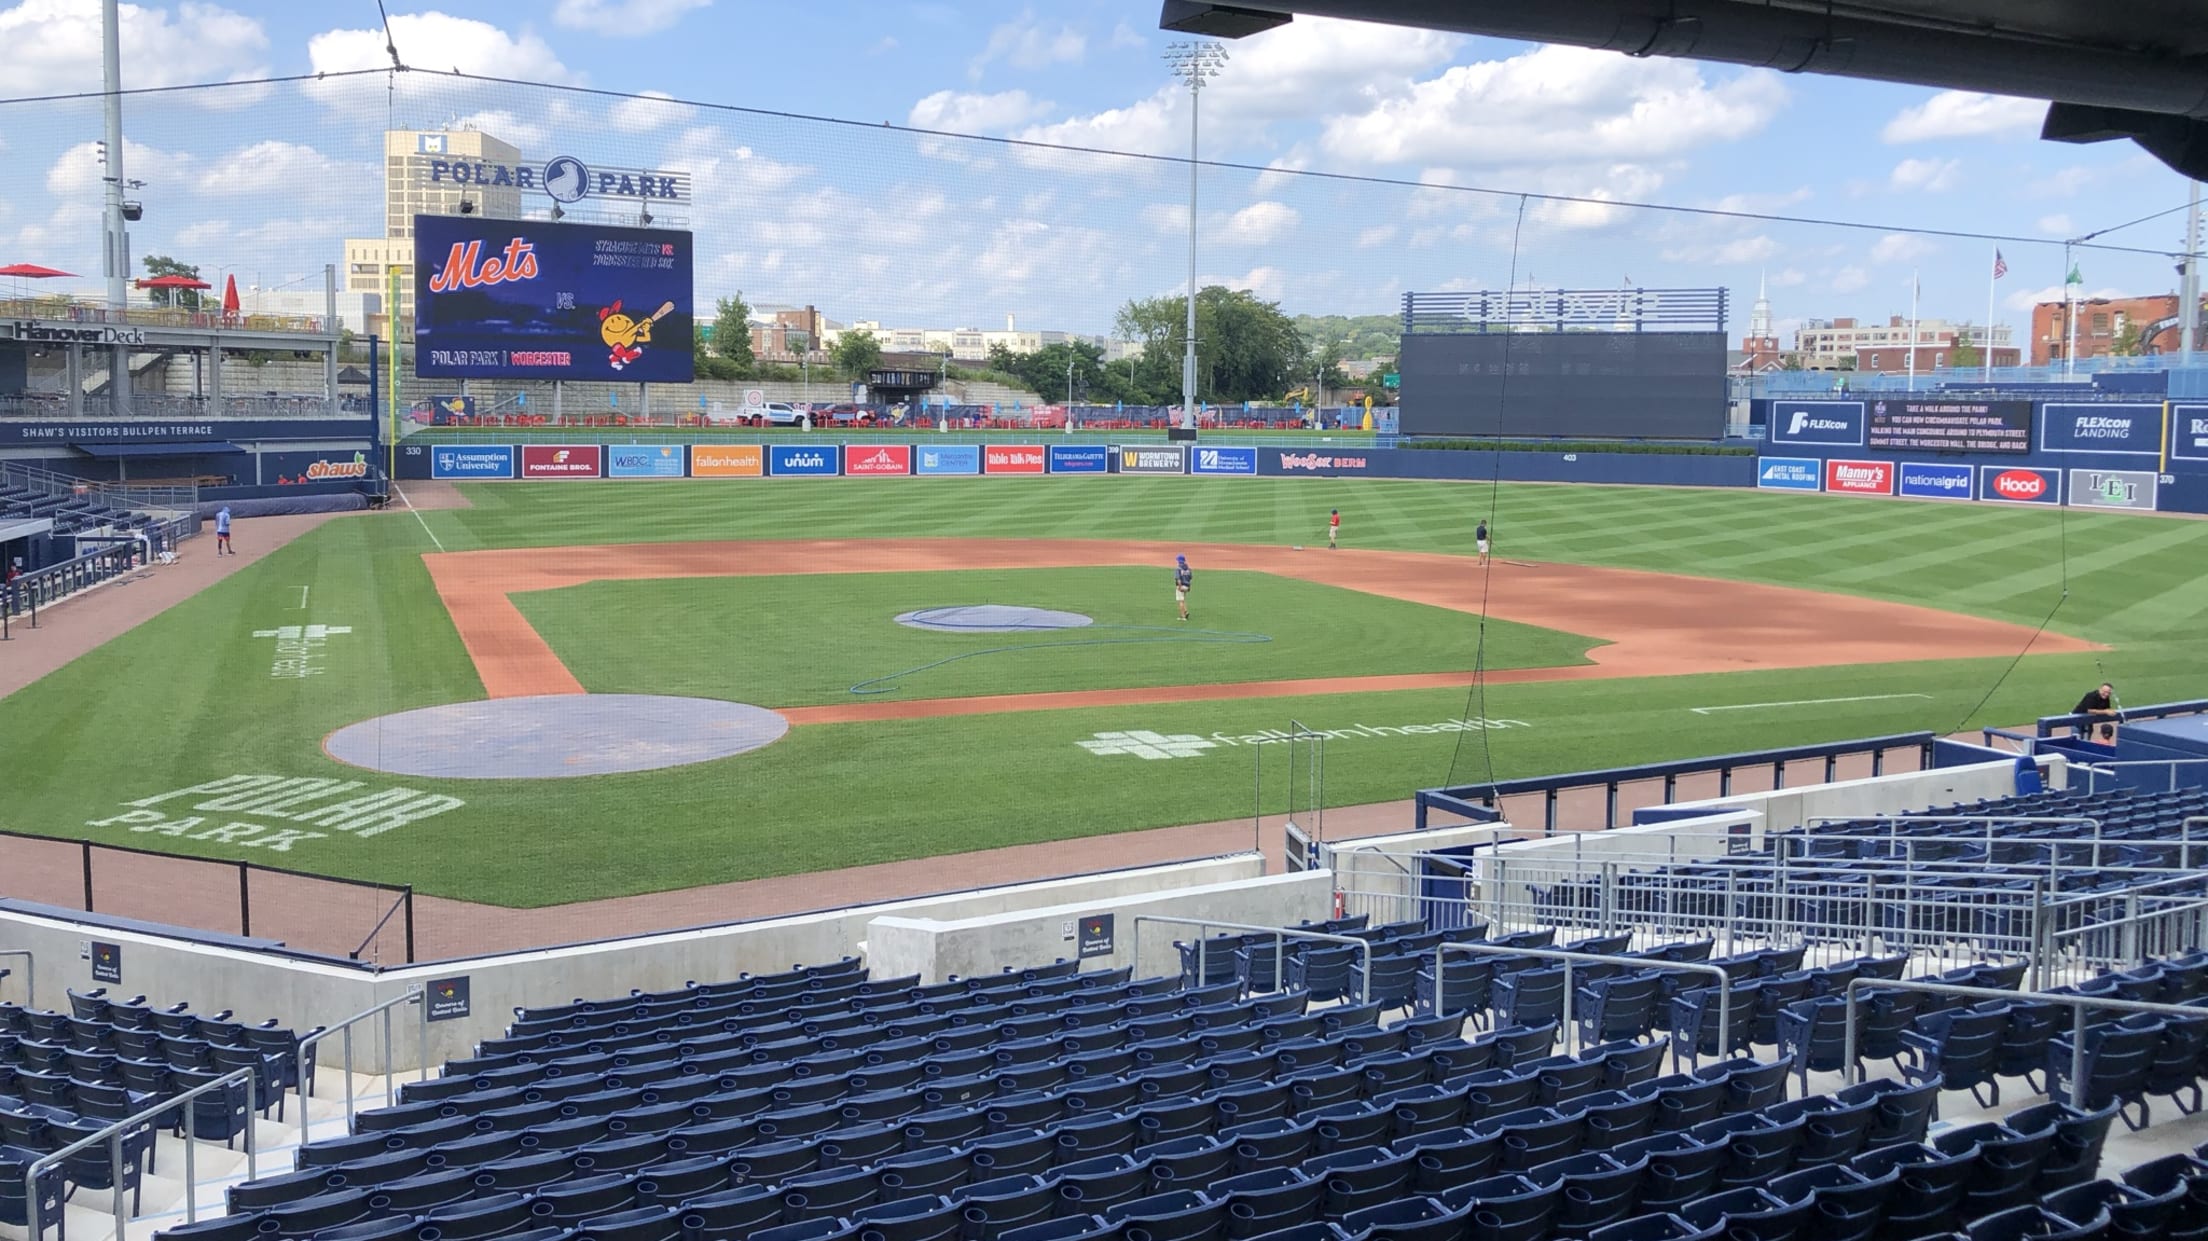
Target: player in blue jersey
1181, 580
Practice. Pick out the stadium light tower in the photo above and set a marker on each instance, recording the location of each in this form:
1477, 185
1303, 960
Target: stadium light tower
1193, 63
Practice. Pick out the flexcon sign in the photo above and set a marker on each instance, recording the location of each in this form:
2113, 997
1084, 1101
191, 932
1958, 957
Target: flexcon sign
1013, 459
2018, 484
1823, 423
866, 461
559, 460
1862, 478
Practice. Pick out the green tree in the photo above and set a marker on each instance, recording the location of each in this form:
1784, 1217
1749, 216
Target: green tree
732, 333
856, 353
2129, 343
1965, 356
1246, 349
163, 265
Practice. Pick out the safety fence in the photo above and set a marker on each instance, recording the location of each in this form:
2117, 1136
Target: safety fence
266, 907
43, 588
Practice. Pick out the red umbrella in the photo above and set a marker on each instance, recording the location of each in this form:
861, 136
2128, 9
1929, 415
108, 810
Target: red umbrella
174, 282
32, 271
230, 297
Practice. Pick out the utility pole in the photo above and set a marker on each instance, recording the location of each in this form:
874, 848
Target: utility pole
2188, 284
116, 241
1194, 63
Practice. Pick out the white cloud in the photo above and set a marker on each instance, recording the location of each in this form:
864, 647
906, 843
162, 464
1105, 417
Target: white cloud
1126, 36
1757, 249
646, 112
963, 112
2025, 299
1900, 248
1377, 235
77, 172
1788, 278
53, 47
1849, 279
1260, 223
2057, 225
623, 19
1027, 42
305, 173
2063, 182
506, 127
1164, 218
1268, 282
723, 171
1932, 176
440, 42
1281, 173
1963, 114
1556, 105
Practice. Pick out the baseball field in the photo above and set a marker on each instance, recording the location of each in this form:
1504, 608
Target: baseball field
1613, 625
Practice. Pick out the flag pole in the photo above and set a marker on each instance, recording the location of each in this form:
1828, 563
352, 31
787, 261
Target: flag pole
1914, 287
1991, 282
2070, 293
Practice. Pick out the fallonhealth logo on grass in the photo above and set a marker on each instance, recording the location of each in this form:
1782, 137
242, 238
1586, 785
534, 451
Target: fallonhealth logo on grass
1147, 744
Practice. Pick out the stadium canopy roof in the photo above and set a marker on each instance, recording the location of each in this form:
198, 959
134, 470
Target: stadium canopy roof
2135, 70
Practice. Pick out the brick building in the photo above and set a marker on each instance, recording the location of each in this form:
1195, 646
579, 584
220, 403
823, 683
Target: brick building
2102, 321
1844, 344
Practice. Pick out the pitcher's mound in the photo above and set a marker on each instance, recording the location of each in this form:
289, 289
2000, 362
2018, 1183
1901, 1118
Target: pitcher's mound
991, 618
554, 735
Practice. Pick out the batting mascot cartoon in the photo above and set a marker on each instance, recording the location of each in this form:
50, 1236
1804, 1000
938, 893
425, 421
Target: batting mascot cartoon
626, 337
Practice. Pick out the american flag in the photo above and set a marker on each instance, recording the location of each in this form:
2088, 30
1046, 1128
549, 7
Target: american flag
2000, 265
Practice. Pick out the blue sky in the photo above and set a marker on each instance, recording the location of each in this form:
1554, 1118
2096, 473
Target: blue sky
920, 231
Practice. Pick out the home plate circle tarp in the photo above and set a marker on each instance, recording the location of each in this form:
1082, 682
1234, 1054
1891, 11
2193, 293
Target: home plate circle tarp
991, 618
554, 735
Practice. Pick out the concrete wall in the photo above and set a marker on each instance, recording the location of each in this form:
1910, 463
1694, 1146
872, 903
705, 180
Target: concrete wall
1874, 795
302, 995
937, 949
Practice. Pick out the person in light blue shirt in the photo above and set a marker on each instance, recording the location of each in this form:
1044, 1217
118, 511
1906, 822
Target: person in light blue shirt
222, 532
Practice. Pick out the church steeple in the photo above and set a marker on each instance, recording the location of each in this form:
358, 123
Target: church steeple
1759, 319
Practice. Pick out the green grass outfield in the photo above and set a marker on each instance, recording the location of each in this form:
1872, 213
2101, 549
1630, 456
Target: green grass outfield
189, 698
805, 640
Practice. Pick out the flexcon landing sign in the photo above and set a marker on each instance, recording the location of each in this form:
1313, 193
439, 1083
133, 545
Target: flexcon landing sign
2016, 484
529, 299
2118, 430
1862, 478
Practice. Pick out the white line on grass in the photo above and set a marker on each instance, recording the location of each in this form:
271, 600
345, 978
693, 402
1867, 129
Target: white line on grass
302, 600
409, 502
1803, 702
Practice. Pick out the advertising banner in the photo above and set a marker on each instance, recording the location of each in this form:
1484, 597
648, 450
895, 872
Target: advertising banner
1013, 459
1080, 459
1925, 480
2017, 484
1790, 473
1164, 459
644, 461
1817, 423
2113, 488
472, 461
560, 460
870, 460
1224, 461
2116, 430
2189, 432
530, 299
1323, 464
1862, 478
727, 461
948, 459
1951, 426
803, 461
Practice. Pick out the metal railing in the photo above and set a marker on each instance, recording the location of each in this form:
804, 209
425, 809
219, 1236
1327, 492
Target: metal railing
117, 1133
54, 583
2147, 920
1569, 958
85, 310
2099, 775
1280, 935
30, 974
2076, 1003
343, 1032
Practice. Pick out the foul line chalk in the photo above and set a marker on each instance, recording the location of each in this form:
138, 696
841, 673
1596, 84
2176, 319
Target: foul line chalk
1803, 702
